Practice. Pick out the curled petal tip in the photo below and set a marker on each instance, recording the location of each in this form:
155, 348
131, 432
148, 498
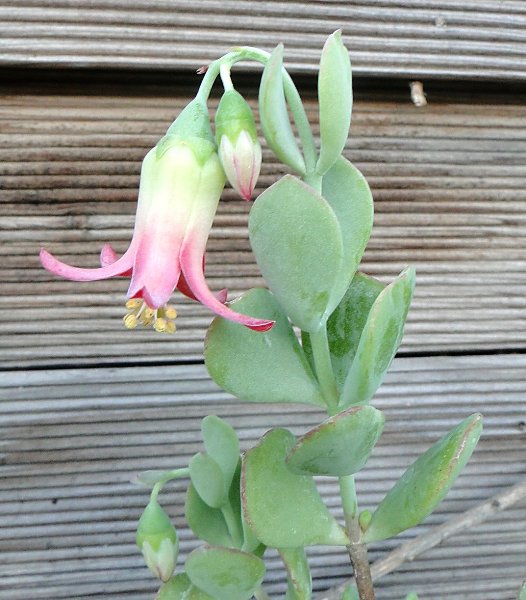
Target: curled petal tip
262, 326
107, 255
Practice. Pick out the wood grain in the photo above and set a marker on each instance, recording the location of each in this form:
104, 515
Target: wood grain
406, 38
72, 440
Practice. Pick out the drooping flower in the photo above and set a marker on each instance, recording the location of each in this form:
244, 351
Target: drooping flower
157, 540
181, 183
239, 148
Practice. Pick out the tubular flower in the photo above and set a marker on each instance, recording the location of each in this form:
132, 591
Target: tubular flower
236, 137
181, 183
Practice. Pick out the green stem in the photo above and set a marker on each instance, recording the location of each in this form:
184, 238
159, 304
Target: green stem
323, 367
233, 525
356, 548
175, 474
291, 94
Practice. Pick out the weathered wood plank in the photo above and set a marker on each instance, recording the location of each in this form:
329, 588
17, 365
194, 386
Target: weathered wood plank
72, 440
448, 182
410, 38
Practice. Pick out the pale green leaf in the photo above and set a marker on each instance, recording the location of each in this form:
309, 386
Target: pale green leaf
260, 366
273, 114
297, 241
335, 100
425, 483
282, 508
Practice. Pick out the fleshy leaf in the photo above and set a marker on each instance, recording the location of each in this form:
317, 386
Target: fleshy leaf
297, 241
346, 324
282, 508
151, 477
298, 573
522, 592
174, 588
273, 114
260, 366
348, 194
350, 593
379, 341
221, 444
339, 446
206, 522
425, 483
224, 573
208, 479
335, 100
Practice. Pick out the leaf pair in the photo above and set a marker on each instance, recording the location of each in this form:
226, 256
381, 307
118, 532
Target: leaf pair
335, 102
308, 246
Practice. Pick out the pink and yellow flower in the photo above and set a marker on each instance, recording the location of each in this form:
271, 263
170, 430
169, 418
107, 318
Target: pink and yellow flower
181, 183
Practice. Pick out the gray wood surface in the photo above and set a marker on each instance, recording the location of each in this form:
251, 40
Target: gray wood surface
448, 182
475, 39
73, 439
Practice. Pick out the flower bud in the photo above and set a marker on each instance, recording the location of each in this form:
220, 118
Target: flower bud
239, 149
157, 539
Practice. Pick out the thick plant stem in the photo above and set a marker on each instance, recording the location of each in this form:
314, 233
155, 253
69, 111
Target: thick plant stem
323, 367
357, 548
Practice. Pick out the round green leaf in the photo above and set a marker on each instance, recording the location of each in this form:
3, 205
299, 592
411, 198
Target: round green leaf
260, 366
274, 116
224, 573
208, 479
425, 483
339, 446
335, 99
282, 508
221, 444
297, 241
348, 194
206, 522
379, 341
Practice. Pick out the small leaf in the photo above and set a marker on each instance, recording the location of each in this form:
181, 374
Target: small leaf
208, 479
335, 100
221, 444
206, 522
348, 194
260, 366
298, 573
345, 325
339, 446
411, 596
282, 508
297, 241
151, 477
381, 336
522, 592
224, 573
274, 116
425, 483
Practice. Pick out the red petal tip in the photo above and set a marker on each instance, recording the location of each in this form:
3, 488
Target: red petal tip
262, 326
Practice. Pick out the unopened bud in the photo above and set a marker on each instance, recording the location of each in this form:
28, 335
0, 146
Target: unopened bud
239, 149
157, 539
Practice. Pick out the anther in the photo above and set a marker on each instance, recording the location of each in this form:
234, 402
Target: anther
130, 321
134, 303
170, 327
160, 324
170, 313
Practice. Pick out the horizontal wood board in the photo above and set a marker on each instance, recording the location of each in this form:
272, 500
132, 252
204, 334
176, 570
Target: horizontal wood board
448, 181
475, 39
73, 439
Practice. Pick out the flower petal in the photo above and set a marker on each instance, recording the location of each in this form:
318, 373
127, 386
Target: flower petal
57, 267
191, 264
108, 256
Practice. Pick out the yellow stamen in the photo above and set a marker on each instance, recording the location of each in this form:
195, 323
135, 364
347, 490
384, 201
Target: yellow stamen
130, 321
147, 316
159, 324
134, 304
170, 327
170, 313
